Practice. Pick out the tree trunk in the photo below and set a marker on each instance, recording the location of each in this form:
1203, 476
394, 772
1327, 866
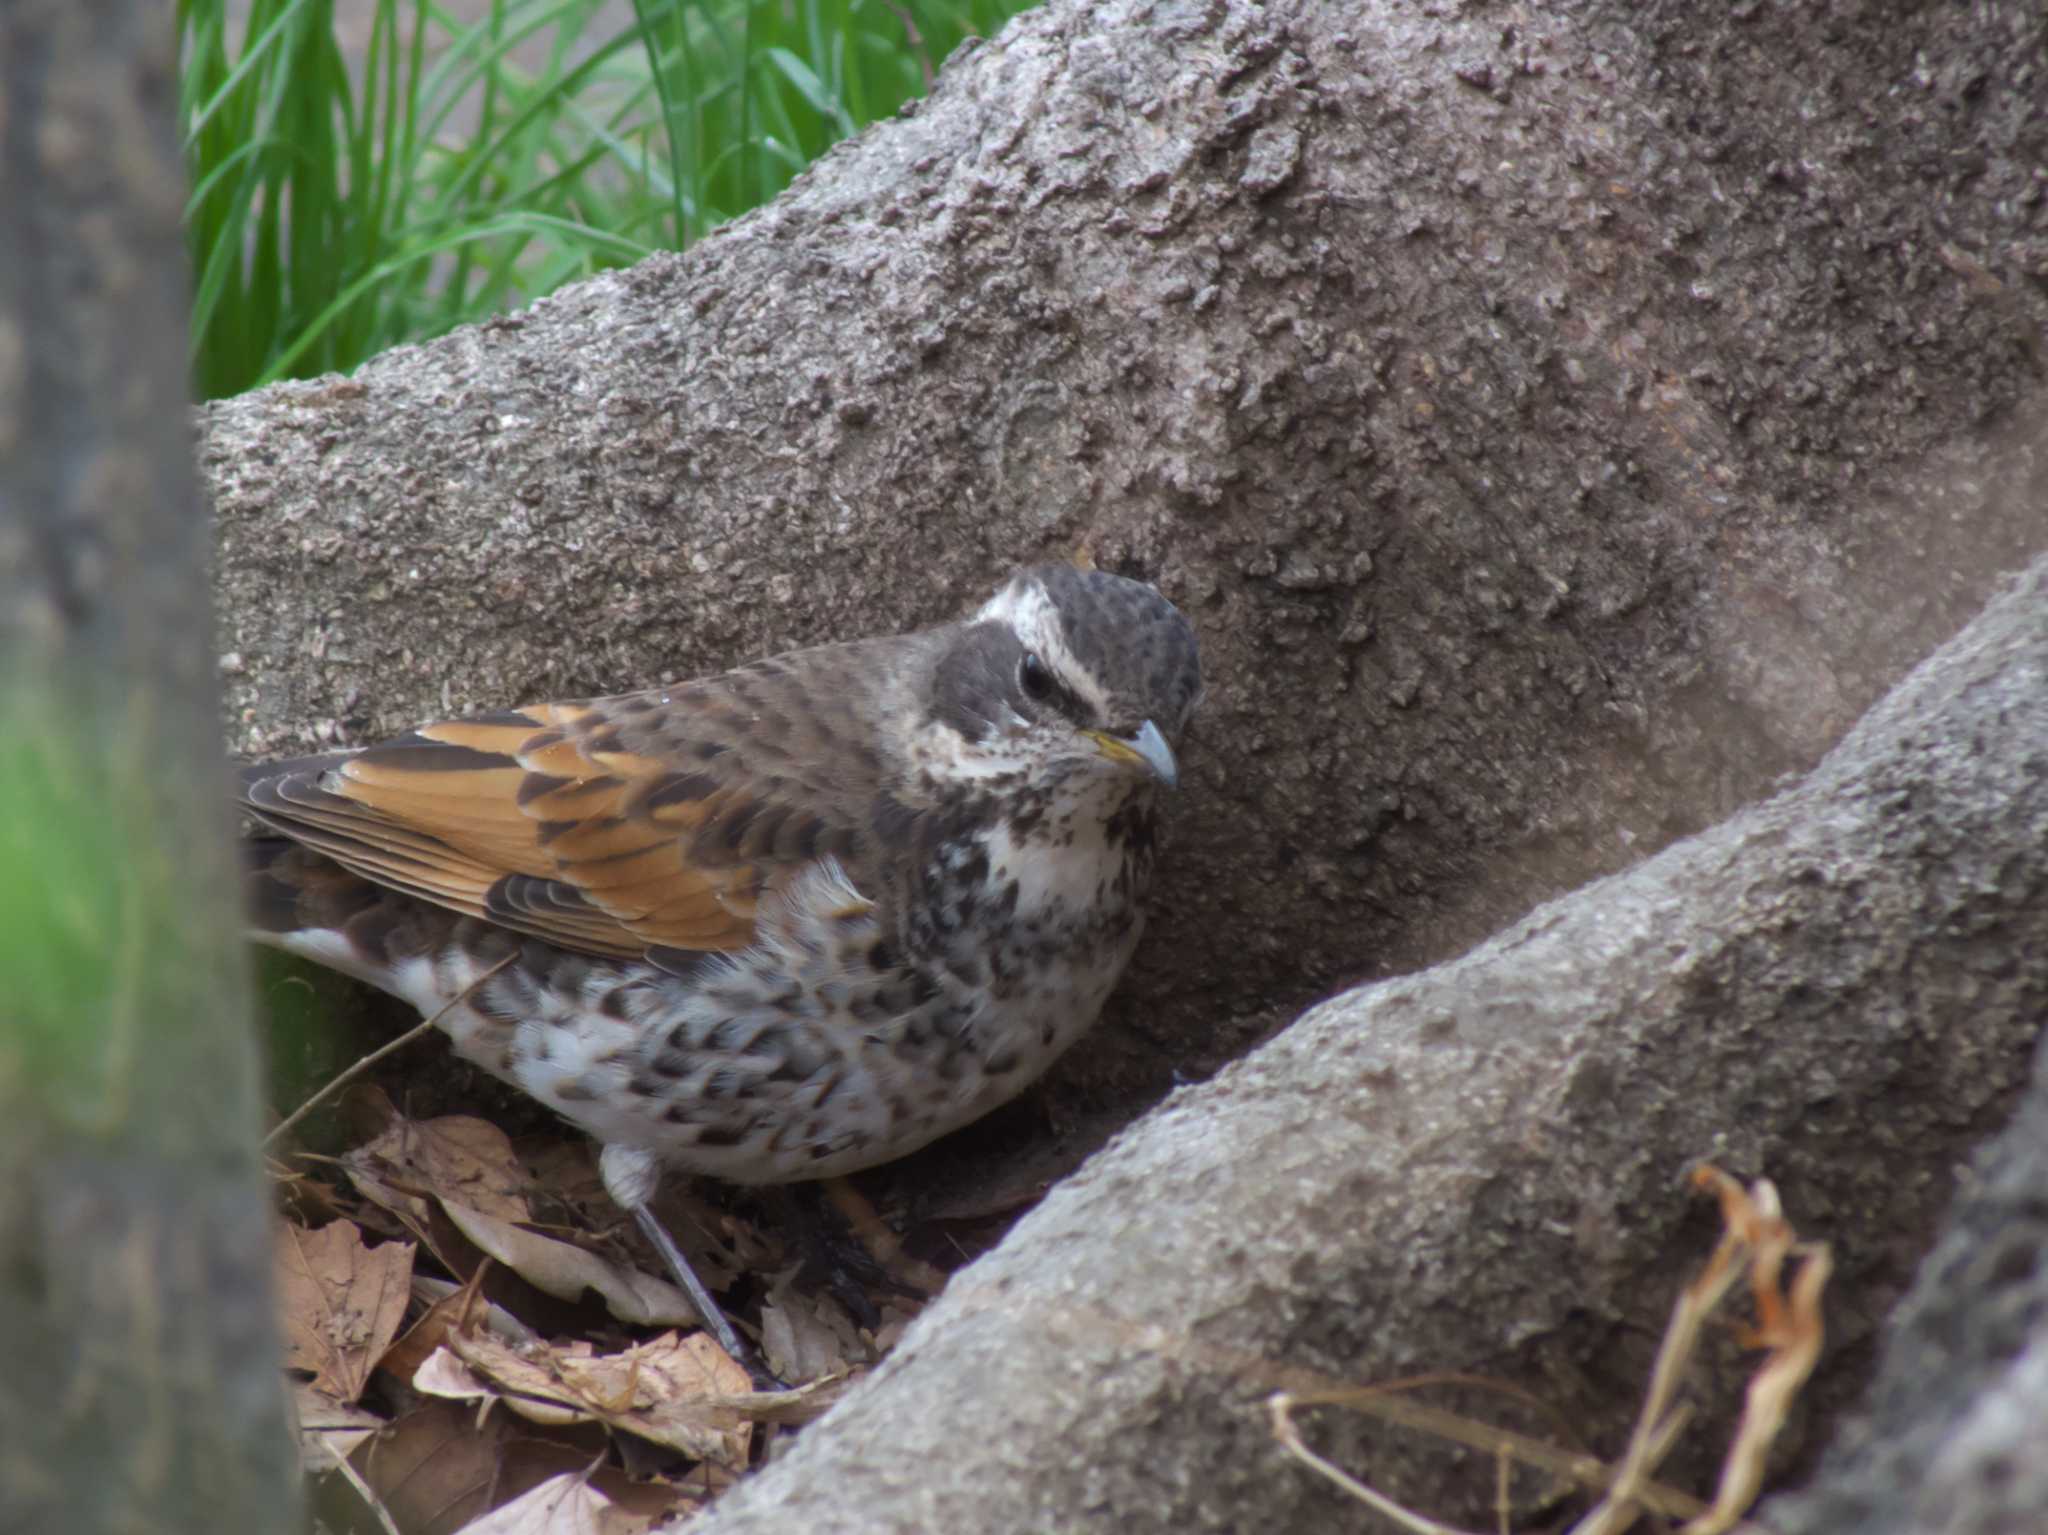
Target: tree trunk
141, 1386
1560, 426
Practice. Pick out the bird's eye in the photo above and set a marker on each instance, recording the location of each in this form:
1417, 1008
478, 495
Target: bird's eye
1034, 677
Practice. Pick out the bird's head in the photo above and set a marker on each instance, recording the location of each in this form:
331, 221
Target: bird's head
1071, 670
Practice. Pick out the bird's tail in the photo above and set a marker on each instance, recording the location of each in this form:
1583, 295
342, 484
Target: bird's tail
306, 903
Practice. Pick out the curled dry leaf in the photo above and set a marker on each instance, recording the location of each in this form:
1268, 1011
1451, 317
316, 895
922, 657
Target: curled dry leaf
456, 1157
1788, 1323
449, 1308
341, 1301
431, 1292
792, 1408
574, 1503
683, 1392
1755, 1240
567, 1186
458, 1175
442, 1466
407, 1166
467, 1168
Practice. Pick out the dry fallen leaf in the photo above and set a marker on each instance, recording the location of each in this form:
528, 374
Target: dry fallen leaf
458, 1175
440, 1468
342, 1302
564, 1171
565, 1271
429, 1291
455, 1157
408, 1194
436, 1468
449, 1308
1755, 1241
568, 1190
1789, 1324
568, 1503
328, 1431
562, 1505
807, 1337
683, 1392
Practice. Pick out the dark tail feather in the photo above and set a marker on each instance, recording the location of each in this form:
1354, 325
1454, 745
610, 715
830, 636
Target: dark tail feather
306, 902
287, 888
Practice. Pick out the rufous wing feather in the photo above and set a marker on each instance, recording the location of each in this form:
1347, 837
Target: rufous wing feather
537, 819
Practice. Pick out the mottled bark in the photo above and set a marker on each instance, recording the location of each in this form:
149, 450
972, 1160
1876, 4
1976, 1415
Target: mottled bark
140, 1385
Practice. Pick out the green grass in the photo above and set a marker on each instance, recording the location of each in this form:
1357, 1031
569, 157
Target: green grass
456, 168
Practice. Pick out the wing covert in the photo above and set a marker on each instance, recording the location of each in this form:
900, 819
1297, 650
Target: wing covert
509, 817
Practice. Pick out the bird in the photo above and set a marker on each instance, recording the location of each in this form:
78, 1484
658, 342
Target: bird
778, 924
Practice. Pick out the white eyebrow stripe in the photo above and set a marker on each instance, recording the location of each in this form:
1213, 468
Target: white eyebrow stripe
1025, 606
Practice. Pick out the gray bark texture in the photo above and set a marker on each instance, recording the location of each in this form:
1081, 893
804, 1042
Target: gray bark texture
1561, 426
1475, 1168
140, 1387
1950, 1439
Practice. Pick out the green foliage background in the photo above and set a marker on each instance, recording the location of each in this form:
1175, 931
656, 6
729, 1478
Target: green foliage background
439, 168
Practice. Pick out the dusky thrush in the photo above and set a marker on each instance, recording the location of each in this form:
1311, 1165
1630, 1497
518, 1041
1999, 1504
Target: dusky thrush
778, 924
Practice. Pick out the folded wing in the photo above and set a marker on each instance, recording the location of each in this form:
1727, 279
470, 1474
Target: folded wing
546, 821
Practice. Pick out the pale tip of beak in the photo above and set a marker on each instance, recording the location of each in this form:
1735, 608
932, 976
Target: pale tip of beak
1146, 748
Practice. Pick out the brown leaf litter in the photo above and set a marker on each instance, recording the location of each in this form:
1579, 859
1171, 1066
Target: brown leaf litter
551, 1381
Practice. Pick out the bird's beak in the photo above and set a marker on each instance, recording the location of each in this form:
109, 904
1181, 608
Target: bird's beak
1146, 749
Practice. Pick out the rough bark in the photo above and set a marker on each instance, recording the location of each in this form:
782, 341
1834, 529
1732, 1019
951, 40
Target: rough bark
140, 1387
1476, 1168
1951, 1438
1559, 424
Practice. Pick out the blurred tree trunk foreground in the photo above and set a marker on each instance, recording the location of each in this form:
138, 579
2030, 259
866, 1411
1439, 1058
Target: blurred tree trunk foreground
140, 1388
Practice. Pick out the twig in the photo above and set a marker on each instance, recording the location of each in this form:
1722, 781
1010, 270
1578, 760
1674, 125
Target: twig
1756, 1239
1282, 1408
425, 1026
1792, 1330
1386, 1403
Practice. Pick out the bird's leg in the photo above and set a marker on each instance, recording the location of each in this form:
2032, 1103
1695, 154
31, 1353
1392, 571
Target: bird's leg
631, 1177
